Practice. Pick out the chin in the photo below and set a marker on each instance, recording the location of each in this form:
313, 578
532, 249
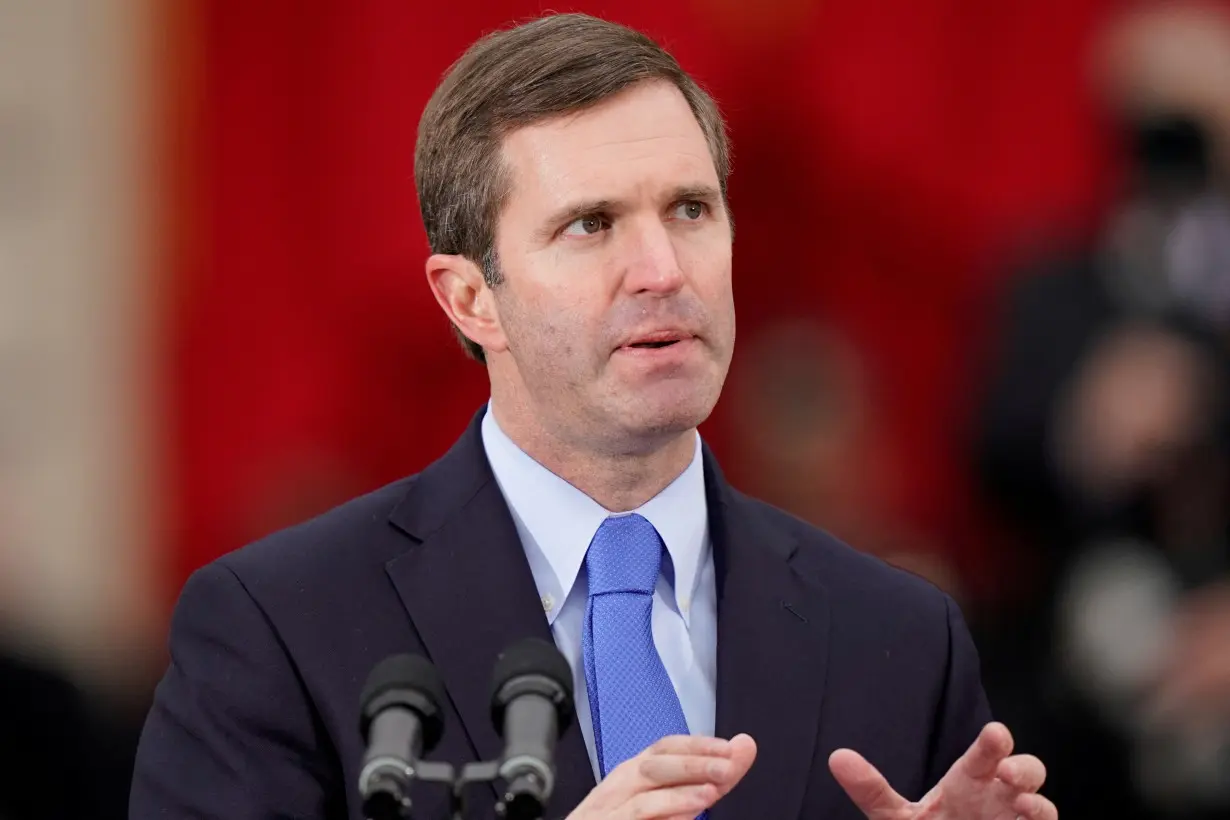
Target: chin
659, 412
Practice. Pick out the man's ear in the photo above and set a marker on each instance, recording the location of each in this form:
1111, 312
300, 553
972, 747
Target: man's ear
463, 295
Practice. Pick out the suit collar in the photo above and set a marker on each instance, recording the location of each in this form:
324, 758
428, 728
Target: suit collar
556, 521
469, 591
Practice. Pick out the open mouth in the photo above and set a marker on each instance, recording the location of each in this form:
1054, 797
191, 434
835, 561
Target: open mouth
654, 345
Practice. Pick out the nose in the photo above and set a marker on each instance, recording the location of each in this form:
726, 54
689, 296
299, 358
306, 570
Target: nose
653, 261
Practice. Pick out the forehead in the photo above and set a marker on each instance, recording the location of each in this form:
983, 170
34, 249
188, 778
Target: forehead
644, 136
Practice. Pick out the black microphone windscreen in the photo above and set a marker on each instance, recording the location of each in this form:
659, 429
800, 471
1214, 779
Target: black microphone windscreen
532, 656
409, 678
531, 663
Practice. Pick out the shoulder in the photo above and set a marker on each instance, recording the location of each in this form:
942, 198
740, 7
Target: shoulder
315, 598
348, 542
853, 580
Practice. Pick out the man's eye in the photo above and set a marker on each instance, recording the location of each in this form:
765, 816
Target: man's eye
690, 211
586, 226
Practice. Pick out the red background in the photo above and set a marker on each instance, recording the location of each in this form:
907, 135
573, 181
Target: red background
887, 155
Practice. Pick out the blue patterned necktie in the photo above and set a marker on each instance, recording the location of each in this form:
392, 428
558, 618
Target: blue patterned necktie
632, 702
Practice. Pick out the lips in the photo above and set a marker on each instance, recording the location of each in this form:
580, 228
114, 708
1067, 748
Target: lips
656, 339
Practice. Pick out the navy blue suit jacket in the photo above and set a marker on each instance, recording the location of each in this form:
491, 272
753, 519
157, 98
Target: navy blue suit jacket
819, 647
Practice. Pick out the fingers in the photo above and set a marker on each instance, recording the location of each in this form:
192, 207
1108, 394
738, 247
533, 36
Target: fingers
675, 779
1035, 807
865, 785
1024, 773
981, 760
682, 760
691, 745
686, 801
742, 755
676, 770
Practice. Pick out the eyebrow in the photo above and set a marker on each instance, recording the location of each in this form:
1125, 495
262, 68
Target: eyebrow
701, 193
573, 211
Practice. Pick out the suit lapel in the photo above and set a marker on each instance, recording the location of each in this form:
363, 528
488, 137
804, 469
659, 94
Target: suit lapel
469, 591
772, 653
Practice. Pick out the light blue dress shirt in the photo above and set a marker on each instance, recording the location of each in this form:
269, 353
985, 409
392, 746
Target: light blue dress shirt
556, 522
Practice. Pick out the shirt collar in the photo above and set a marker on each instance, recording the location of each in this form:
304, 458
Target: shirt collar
560, 520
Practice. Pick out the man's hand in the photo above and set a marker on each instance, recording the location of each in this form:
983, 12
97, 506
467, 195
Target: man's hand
1194, 687
677, 778
985, 784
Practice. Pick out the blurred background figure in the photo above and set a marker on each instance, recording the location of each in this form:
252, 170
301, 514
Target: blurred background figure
1106, 440
80, 421
47, 720
808, 443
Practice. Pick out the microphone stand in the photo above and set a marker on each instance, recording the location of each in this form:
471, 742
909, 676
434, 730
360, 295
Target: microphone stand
471, 774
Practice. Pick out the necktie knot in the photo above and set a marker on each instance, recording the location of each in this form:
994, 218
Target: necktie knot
625, 555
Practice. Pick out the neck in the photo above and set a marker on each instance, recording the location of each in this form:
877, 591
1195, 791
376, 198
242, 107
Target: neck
619, 478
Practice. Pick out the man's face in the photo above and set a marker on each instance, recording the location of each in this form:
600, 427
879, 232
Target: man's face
615, 247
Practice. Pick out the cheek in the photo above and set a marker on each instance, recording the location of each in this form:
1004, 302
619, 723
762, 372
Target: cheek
709, 272
707, 256
544, 329
565, 301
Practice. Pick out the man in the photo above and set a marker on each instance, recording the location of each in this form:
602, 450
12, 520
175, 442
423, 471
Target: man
43, 714
572, 180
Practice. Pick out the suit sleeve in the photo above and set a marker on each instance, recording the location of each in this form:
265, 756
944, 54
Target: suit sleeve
231, 733
963, 709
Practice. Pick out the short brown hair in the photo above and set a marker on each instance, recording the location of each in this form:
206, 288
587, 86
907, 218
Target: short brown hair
512, 78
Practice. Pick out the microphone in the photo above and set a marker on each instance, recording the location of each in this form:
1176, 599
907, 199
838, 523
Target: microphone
400, 721
531, 706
